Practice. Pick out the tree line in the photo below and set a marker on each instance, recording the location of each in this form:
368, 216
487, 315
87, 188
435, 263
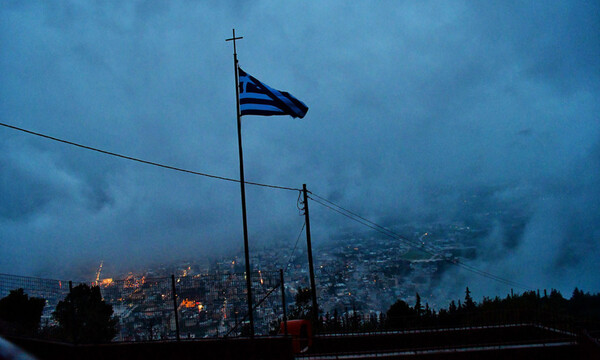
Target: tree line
82, 317
581, 310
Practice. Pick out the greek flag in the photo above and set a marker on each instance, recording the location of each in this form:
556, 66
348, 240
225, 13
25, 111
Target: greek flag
257, 98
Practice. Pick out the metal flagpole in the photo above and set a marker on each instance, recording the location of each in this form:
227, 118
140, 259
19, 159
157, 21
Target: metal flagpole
243, 187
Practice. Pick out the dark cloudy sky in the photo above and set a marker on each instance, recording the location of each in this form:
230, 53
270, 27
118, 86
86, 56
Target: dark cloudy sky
415, 109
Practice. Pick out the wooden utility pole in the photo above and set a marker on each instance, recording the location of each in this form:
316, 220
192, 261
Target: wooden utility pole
313, 288
175, 307
285, 327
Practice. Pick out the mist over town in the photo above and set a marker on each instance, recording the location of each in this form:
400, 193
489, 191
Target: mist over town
424, 118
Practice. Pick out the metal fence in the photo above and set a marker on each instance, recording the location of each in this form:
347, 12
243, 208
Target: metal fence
51, 290
206, 305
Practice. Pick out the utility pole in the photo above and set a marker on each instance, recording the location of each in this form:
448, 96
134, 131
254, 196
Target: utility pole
242, 186
313, 288
285, 327
175, 307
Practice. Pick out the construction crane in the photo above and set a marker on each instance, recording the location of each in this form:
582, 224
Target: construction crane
98, 273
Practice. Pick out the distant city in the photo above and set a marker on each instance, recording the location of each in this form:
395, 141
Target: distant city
360, 273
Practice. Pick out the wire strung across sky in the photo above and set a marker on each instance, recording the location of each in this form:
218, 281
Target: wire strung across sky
383, 230
320, 200
289, 262
355, 217
145, 161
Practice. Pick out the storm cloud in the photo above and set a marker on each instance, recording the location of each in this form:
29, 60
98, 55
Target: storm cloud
414, 108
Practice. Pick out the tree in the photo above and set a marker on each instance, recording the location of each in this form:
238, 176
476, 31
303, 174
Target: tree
399, 315
21, 312
302, 308
452, 308
418, 306
84, 317
336, 320
469, 303
355, 318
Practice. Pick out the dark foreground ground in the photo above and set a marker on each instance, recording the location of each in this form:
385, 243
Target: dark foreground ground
519, 341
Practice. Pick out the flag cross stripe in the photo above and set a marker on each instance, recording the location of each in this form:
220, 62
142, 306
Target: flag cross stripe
257, 98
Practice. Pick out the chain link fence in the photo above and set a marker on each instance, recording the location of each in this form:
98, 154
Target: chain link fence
50, 290
204, 306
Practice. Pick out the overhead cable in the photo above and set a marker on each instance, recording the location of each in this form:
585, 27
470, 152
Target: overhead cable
287, 267
361, 220
145, 161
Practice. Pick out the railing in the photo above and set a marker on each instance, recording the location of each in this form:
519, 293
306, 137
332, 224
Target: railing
205, 306
433, 341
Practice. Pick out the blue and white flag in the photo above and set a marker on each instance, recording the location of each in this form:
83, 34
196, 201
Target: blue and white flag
257, 98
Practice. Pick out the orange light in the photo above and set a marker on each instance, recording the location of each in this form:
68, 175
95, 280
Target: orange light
188, 303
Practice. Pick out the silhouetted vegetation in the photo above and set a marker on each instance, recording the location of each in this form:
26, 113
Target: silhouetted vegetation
83, 316
20, 314
581, 311
303, 307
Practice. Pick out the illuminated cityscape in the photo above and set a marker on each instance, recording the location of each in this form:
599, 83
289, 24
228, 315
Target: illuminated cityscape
354, 272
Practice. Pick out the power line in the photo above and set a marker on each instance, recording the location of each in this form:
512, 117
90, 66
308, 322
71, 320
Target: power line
393, 235
382, 228
332, 206
294, 249
145, 161
361, 220
372, 225
416, 244
289, 262
389, 233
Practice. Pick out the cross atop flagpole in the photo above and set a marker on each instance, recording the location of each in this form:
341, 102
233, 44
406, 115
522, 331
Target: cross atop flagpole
243, 187
234, 39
